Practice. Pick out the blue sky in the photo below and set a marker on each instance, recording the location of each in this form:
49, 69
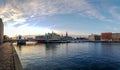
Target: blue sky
77, 17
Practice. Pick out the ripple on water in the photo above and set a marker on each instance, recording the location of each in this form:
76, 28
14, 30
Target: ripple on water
72, 56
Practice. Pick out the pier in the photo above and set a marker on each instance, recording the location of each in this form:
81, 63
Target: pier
8, 58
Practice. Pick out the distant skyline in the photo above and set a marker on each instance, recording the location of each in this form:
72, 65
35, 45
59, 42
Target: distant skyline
77, 17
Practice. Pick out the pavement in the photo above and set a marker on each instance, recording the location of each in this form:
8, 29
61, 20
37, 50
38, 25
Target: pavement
6, 57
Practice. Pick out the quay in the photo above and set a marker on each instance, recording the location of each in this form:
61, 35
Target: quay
105, 41
8, 58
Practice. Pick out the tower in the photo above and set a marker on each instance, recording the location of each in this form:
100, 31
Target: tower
1, 31
66, 34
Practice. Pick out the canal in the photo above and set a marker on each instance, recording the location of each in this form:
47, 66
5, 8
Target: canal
70, 56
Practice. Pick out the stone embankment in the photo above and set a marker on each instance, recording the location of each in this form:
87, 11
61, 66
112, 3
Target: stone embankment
8, 58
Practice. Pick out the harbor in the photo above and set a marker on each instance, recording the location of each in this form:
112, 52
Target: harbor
59, 35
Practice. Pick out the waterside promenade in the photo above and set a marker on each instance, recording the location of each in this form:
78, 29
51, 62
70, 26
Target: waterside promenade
8, 58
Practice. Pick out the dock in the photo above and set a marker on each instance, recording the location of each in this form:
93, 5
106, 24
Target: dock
8, 58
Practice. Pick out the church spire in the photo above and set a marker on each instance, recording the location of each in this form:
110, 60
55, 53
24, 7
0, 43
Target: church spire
66, 34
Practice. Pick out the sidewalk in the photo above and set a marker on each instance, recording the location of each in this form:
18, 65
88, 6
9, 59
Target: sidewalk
6, 57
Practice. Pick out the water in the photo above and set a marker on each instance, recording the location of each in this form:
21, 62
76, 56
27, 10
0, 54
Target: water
70, 56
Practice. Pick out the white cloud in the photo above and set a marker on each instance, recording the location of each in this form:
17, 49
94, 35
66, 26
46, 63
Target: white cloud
10, 14
20, 10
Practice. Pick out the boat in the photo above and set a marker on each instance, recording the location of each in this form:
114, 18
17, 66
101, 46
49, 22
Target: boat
41, 41
52, 41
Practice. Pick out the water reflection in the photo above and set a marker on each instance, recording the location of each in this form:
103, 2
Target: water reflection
70, 56
51, 46
19, 47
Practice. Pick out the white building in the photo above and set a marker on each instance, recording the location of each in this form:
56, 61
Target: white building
93, 37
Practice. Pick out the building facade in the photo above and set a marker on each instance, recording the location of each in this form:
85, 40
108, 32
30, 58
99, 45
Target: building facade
116, 37
42, 37
106, 36
52, 36
1, 31
110, 36
93, 37
49, 36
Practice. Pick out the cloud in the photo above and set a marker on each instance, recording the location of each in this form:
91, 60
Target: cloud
11, 15
19, 11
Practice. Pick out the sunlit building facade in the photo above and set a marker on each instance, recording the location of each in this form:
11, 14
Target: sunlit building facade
110, 36
94, 37
1, 31
116, 37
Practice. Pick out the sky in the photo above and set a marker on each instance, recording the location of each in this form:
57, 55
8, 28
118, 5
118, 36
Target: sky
77, 17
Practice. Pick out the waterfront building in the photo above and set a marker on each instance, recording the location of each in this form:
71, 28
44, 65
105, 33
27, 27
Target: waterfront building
110, 36
6, 38
42, 37
1, 31
115, 36
52, 36
66, 37
28, 37
94, 37
48, 37
66, 34
106, 36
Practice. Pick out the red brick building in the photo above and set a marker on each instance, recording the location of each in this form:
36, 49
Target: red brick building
106, 36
